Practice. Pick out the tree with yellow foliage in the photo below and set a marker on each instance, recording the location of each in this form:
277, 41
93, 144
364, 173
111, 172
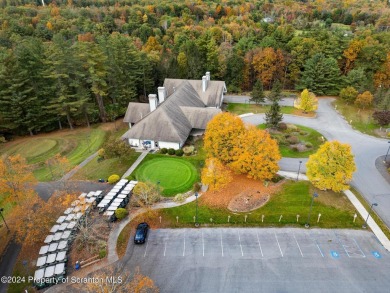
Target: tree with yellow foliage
256, 154
307, 102
331, 167
364, 100
16, 178
215, 174
221, 135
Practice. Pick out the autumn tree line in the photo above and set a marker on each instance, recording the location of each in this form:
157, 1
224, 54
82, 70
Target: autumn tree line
70, 63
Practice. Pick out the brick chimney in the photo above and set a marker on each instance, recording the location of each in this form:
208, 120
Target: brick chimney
152, 102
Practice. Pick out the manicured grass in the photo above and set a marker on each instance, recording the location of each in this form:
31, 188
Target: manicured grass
76, 145
373, 214
294, 199
305, 135
361, 120
103, 169
253, 108
175, 175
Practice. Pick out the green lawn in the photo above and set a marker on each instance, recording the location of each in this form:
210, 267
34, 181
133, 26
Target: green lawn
175, 175
293, 200
76, 145
361, 120
304, 134
253, 108
103, 169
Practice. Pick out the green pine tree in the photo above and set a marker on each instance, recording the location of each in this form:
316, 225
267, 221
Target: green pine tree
276, 91
258, 93
273, 117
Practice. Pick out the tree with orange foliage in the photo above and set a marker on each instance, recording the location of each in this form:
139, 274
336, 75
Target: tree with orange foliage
221, 135
215, 174
351, 53
382, 77
58, 166
268, 65
256, 154
122, 282
364, 100
16, 178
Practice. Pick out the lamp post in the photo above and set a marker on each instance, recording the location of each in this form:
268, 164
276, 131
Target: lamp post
196, 211
365, 222
1, 214
299, 169
387, 153
307, 225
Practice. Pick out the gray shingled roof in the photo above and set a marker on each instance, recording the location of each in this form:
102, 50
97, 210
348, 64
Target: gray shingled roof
135, 112
199, 117
211, 97
168, 122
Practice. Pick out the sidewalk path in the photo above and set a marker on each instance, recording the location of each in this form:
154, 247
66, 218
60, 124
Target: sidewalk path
70, 174
135, 165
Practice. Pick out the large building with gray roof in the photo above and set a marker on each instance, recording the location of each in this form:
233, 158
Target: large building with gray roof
181, 108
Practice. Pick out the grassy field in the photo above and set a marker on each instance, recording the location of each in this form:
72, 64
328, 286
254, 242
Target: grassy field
76, 145
361, 120
304, 134
294, 199
103, 169
253, 108
175, 175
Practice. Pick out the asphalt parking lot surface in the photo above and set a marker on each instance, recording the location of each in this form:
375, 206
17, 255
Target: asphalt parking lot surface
262, 260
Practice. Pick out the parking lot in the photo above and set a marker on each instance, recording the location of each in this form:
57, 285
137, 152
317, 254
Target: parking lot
275, 260
261, 244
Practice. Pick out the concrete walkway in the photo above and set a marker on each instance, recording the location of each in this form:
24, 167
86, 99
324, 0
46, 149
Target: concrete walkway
135, 165
70, 174
358, 206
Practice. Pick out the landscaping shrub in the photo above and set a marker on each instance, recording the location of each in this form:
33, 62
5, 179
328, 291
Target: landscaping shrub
163, 151
276, 178
197, 186
291, 127
295, 133
102, 253
295, 148
179, 152
121, 213
293, 140
101, 153
281, 140
113, 179
309, 145
2, 139
282, 126
188, 150
171, 152
179, 197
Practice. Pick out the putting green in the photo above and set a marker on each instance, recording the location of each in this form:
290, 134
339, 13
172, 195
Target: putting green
175, 175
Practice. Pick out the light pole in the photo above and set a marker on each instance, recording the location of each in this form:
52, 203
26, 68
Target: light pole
1, 214
196, 211
365, 222
299, 169
307, 225
387, 153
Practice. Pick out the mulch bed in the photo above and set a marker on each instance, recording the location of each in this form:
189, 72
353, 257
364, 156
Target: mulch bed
242, 194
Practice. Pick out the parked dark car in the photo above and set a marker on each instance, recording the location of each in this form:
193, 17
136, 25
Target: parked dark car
141, 233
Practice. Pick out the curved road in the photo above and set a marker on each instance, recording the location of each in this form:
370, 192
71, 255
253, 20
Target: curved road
367, 179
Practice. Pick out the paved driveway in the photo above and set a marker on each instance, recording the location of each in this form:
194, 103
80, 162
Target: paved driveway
262, 260
366, 149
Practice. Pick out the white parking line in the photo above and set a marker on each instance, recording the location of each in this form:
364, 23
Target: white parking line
203, 243
184, 245
258, 241
221, 244
318, 247
146, 248
239, 239
298, 245
359, 247
165, 248
341, 243
278, 245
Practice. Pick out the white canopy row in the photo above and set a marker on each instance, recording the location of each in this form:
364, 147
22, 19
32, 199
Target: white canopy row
58, 269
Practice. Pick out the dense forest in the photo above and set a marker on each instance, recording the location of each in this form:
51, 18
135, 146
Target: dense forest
67, 63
